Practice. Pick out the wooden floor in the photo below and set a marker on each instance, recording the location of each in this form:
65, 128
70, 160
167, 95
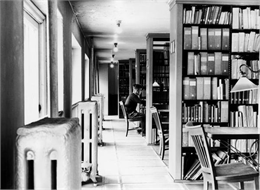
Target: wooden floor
127, 163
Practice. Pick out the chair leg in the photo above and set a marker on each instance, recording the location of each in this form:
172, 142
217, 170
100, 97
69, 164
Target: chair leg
160, 147
241, 185
127, 128
205, 185
256, 183
214, 185
163, 150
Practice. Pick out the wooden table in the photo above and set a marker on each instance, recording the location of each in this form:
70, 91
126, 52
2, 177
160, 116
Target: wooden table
233, 132
221, 133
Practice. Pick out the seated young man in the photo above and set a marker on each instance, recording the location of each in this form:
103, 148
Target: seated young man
131, 104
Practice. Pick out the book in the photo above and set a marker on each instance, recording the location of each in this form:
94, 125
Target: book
207, 88
203, 37
234, 42
224, 111
190, 66
187, 38
235, 18
214, 84
186, 88
211, 64
193, 88
225, 39
197, 64
194, 37
224, 64
200, 88
211, 38
251, 41
218, 37
241, 42
204, 63
218, 63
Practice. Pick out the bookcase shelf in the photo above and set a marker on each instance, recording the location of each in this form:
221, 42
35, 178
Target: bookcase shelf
207, 51
157, 77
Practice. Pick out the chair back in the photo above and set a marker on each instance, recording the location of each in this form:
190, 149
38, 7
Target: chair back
157, 121
198, 136
122, 105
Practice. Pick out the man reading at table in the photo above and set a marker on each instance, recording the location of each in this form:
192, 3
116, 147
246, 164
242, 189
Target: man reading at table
131, 103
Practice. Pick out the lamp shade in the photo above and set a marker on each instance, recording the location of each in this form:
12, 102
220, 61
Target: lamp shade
156, 84
243, 84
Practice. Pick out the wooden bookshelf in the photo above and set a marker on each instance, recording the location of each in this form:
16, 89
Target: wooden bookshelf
157, 70
123, 82
191, 43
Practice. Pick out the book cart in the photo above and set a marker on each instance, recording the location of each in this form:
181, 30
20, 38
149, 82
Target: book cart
215, 40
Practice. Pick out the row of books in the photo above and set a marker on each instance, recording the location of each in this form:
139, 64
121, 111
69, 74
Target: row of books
197, 38
205, 112
160, 95
245, 18
142, 58
235, 68
244, 145
205, 63
206, 15
205, 88
244, 97
245, 116
245, 42
195, 172
161, 70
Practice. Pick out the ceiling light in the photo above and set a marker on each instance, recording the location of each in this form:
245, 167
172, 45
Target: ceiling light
119, 28
112, 58
112, 64
115, 48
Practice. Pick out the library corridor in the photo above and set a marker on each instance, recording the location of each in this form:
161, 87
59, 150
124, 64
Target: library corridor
127, 163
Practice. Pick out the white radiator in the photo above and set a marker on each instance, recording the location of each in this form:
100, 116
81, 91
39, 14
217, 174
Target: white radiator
88, 119
100, 100
48, 155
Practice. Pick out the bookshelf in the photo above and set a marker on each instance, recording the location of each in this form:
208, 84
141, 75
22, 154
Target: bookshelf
244, 50
123, 82
131, 74
140, 68
157, 70
194, 42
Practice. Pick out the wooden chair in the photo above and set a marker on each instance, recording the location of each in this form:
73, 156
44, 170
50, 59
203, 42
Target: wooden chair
232, 172
163, 136
127, 120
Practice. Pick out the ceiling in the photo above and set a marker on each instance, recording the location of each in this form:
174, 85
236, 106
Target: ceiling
98, 19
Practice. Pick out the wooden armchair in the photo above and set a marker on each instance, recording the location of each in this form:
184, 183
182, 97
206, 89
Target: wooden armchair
232, 172
163, 136
127, 120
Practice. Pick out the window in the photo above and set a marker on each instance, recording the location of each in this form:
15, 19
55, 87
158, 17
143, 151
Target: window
35, 68
60, 62
86, 77
76, 71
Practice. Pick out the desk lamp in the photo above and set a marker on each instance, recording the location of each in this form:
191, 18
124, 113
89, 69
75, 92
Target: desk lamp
244, 83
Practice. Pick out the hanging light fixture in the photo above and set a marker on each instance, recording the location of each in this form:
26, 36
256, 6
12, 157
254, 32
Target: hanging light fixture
119, 28
112, 64
112, 58
244, 83
115, 48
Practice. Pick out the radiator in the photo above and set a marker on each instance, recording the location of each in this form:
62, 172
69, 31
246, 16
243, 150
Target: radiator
88, 119
100, 101
48, 155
